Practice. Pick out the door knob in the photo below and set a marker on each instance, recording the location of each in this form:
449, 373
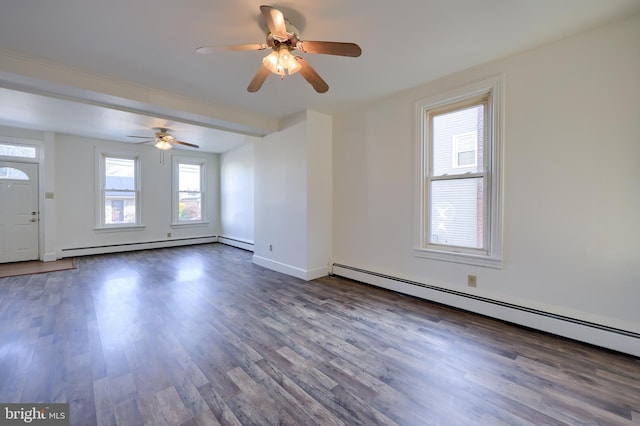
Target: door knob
33, 213
33, 219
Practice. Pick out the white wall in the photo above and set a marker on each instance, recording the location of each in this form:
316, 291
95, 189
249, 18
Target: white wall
280, 200
75, 197
236, 195
319, 192
293, 192
572, 181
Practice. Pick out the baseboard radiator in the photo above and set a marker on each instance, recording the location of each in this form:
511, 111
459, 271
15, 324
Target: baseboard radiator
145, 245
585, 331
236, 242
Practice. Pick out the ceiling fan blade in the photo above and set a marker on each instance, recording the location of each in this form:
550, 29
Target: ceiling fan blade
192, 145
330, 48
141, 137
275, 21
147, 141
312, 76
205, 50
258, 79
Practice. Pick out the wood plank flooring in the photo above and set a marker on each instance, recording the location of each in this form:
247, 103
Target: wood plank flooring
201, 336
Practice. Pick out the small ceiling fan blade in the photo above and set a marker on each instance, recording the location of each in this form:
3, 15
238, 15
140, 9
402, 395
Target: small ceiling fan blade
205, 50
147, 141
312, 76
330, 48
275, 21
258, 79
192, 145
141, 137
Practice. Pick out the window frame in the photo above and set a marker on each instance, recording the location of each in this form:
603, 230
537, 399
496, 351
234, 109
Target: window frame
101, 157
491, 255
175, 193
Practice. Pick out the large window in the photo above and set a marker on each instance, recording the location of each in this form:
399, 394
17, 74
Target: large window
189, 191
119, 191
460, 179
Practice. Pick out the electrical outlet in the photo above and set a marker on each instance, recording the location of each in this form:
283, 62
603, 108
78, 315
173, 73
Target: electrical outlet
270, 247
472, 280
168, 234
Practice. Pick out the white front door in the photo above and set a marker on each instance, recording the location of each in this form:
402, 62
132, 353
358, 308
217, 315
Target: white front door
18, 211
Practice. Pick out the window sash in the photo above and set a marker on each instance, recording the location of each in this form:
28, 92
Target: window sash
185, 214
129, 192
455, 173
189, 205
480, 249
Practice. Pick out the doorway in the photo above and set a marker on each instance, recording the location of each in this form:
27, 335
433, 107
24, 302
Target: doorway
19, 214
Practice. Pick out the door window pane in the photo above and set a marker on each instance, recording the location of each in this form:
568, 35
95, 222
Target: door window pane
11, 173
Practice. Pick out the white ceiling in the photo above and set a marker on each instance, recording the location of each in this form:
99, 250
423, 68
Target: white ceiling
149, 46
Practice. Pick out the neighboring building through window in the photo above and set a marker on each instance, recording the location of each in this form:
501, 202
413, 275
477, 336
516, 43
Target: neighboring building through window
189, 191
120, 191
460, 176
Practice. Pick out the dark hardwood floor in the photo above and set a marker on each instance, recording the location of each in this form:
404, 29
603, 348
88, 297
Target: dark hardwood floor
201, 336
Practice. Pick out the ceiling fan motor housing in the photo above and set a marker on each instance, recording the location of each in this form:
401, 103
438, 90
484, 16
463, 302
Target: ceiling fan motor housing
291, 41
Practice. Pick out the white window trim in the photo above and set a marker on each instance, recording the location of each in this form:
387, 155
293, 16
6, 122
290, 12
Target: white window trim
175, 208
494, 259
101, 226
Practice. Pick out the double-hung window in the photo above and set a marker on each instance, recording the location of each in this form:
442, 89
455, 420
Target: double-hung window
119, 179
460, 175
189, 191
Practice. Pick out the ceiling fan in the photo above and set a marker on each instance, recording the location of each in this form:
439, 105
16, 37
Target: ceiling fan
163, 140
283, 38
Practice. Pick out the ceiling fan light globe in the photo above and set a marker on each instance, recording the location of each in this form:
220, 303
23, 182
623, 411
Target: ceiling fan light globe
163, 145
294, 67
271, 62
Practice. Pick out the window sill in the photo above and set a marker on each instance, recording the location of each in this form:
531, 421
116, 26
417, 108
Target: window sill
463, 258
189, 224
119, 228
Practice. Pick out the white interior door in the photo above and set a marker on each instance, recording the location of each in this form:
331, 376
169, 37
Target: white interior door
19, 214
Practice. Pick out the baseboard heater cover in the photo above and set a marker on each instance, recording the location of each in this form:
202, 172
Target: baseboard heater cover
114, 248
237, 242
597, 334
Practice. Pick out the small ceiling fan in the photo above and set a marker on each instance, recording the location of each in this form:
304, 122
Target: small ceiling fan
163, 140
283, 38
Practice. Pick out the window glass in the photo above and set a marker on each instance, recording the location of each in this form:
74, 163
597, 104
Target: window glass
11, 150
120, 191
457, 212
190, 192
457, 140
11, 173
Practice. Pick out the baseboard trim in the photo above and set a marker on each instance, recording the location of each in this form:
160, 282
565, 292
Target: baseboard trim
236, 242
116, 248
50, 257
283, 268
585, 331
